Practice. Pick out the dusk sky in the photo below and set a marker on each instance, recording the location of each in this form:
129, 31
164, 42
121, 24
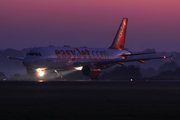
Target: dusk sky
92, 23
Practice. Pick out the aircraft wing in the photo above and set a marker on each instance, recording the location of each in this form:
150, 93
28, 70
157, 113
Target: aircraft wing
143, 53
110, 61
15, 58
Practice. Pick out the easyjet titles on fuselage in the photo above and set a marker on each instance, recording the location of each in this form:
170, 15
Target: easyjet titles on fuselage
81, 54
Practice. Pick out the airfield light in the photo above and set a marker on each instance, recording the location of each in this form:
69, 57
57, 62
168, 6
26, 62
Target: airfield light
78, 68
164, 57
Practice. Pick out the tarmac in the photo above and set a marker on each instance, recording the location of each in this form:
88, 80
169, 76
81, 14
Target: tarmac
87, 100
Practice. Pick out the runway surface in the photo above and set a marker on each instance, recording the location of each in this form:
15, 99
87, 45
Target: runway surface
84, 99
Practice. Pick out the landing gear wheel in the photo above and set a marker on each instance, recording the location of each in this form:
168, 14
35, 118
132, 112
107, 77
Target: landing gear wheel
58, 74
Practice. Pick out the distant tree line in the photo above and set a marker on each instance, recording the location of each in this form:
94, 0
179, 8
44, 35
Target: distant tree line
169, 70
2, 75
123, 72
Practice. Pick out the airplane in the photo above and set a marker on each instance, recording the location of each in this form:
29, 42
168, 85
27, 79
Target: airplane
90, 60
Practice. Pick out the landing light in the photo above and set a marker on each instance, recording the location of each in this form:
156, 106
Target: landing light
40, 72
78, 68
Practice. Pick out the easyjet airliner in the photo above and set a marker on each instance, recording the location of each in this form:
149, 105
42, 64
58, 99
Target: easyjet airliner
90, 60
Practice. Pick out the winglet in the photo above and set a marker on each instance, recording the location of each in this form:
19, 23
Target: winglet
119, 39
168, 57
9, 57
171, 57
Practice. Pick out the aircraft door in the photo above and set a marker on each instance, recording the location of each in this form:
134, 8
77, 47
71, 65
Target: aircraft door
48, 52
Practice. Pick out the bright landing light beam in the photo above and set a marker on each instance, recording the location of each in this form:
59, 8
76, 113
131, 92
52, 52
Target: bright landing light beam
78, 68
41, 72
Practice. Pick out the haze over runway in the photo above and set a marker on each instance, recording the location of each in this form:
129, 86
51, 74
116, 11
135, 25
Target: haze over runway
33, 23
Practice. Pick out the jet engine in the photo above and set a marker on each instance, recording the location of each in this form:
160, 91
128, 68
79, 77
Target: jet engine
91, 70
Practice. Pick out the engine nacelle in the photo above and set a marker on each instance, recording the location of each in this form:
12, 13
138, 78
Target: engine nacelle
91, 70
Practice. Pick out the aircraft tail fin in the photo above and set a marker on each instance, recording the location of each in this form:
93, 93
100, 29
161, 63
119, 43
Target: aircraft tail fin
119, 39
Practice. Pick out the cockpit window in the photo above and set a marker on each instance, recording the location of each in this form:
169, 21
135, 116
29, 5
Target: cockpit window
33, 54
39, 54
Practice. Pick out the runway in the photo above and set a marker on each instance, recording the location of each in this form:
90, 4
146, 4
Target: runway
84, 99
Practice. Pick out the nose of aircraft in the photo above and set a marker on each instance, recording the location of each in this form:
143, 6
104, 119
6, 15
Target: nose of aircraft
27, 62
